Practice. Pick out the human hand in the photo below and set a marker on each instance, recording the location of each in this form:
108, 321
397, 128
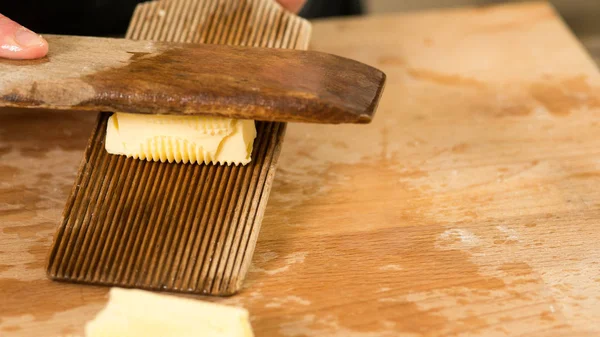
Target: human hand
292, 5
18, 42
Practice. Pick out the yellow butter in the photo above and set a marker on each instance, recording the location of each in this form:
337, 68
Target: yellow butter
181, 139
133, 313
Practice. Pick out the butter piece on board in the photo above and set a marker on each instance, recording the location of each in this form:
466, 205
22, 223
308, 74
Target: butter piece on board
134, 313
181, 139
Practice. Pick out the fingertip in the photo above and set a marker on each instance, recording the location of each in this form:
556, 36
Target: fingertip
293, 6
36, 50
44, 48
32, 45
20, 43
16, 52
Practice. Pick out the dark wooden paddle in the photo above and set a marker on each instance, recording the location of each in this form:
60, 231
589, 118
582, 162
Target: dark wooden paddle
89, 73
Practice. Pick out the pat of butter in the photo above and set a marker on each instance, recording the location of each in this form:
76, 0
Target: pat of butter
133, 313
181, 139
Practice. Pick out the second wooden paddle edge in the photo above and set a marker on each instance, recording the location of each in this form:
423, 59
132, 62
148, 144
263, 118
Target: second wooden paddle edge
268, 84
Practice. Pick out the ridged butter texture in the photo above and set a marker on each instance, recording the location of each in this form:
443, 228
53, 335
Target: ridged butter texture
181, 139
138, 313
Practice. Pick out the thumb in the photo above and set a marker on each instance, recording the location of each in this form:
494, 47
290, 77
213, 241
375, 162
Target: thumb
18, 42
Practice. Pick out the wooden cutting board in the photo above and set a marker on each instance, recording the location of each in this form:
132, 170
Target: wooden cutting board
469, 207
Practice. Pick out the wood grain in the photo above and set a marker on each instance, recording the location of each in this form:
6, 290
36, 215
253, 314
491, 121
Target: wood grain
267, 84
468, 207
174, 227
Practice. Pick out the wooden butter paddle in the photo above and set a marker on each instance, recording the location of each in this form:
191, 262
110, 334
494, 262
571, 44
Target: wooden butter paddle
104, 74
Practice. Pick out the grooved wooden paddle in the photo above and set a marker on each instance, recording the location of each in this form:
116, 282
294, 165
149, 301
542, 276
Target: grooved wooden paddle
176, 227
269, 84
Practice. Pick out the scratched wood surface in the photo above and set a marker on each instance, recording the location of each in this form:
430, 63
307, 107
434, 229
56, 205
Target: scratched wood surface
469, 207
267, 84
